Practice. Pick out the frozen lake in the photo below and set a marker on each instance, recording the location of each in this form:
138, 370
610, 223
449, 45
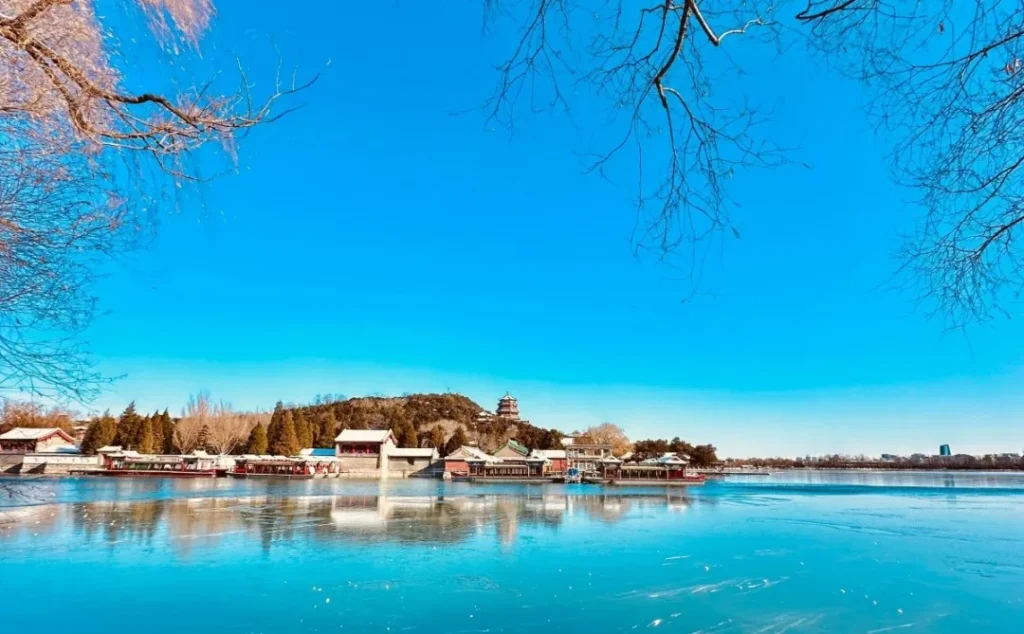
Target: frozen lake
794, 552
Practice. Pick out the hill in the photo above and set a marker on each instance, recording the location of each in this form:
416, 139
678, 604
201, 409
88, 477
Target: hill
424, 412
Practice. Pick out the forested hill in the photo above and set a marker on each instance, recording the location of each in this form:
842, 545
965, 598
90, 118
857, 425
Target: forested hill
423, 414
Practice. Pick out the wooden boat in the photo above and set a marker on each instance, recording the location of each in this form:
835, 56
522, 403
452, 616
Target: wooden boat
134, 465
667, 471
283, 467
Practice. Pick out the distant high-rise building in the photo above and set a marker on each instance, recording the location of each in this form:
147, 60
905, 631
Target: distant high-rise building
944, 450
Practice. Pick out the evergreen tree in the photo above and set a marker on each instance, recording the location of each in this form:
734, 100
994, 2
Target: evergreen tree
325, 433
129, 427
274, 427
167, 433
357, 423
101, 432
145, 437
157, 429
457, 440
412, 437
257, 440
303, 430
286, 443
204, 437
437, 438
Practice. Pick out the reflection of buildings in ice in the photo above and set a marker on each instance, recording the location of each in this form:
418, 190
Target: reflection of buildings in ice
191, 524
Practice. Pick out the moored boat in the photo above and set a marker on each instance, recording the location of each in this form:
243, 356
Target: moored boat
134, 464
666, 470
284, 467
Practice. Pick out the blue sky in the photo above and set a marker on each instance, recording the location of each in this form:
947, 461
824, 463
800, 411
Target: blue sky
376, 242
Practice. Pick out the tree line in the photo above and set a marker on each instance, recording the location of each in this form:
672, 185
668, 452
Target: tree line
700, 455
444, 422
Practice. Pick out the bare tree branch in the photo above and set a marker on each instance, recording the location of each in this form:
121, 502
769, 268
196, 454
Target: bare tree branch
634, 57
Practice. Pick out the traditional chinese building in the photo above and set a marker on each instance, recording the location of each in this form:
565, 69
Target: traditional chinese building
413, 461
512, 449
508, 407
587, 456
365, 451
554, 459
472, 463
32, 440
458, 461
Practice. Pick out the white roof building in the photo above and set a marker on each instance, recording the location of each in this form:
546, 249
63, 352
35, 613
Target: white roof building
549, 454
471, 454
34, 433
365, 435
667, 459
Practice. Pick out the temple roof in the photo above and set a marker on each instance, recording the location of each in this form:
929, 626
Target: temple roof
364, 435
35, 433
515, 446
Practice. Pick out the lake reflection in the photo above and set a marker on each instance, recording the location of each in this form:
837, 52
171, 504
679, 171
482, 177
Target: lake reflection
191, 522
799, 552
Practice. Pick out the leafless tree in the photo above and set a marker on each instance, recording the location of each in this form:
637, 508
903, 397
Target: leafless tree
28, 414
217, 426
658, 68
608, 433
56, 220
195, 420
228, 430
69, 128
948, 82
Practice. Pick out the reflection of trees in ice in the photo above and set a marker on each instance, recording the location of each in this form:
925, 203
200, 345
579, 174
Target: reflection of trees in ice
198, 523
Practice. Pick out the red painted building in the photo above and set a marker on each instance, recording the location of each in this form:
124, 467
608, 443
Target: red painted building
555, 461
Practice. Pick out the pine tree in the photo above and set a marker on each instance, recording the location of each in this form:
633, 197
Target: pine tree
167, 432
303, 430
457, 440
145, 436
437, 438
257, 440
274, 427
412, 438
101, 432
325, 433
129, 427
204, 436
157, 429
286, 443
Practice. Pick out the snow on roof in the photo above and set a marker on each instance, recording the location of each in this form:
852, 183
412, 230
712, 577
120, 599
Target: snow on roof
665, 459
35, 433
413, 452
363, 435
472, 453
109, 449
549, 454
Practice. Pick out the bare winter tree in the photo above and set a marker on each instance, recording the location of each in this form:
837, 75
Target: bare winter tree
948, 79
194, 423
658, 68
68, 125
228, 430
215, 426
949, 90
